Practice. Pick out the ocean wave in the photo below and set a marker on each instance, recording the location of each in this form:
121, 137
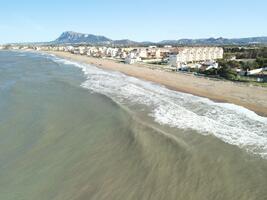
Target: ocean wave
231, 123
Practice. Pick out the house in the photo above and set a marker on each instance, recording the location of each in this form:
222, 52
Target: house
82, 50
130, 61
167, 46
123, 55
132, 58
113, 52
69, 48
37, 48
210, 65
175, 61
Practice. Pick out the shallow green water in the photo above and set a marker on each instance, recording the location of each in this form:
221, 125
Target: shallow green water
61, 141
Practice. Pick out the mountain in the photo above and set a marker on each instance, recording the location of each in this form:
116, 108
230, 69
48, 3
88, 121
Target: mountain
70, 37
125, 42
74, 37
217, 41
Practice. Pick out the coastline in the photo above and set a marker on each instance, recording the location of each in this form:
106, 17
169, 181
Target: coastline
250, 97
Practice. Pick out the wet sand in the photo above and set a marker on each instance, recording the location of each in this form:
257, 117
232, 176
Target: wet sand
251, 97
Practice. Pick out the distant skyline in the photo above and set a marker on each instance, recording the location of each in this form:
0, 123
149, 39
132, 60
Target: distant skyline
35, 21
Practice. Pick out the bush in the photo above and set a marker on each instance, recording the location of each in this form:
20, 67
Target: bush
211, 72
227, 72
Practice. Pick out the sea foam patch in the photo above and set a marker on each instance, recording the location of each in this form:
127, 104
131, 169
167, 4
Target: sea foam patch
232, 124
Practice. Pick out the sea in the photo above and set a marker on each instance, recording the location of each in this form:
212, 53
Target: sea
71, 131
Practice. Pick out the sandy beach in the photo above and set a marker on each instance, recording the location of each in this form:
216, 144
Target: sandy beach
251, 97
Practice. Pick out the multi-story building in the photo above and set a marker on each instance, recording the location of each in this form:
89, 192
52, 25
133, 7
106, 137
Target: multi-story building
185, 55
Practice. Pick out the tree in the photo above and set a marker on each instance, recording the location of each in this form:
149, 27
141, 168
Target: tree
262, 62
227, 73
234, 64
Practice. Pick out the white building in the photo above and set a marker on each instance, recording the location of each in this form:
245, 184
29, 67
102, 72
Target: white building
82, 50
195, 54
123, 55
142, 53
130, 61
157, 53
167, 46
132, 58
69, 48
111, 52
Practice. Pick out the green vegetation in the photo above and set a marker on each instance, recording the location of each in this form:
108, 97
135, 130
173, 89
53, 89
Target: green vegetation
246, 52
225, 70
228, 68
248, 58
262, 61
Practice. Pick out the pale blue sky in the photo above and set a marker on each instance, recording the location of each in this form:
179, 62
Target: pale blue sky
140, 20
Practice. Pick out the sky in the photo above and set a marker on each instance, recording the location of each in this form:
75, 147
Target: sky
139, 20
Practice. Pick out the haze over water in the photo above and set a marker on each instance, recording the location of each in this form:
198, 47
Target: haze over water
73, 131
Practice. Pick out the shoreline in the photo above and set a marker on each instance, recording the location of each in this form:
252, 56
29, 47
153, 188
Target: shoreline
251, 97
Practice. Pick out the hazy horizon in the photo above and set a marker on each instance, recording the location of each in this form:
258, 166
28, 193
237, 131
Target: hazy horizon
131, 39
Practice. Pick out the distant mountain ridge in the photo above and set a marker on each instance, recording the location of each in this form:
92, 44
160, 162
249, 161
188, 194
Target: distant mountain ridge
74, 37
218, 41
71, 37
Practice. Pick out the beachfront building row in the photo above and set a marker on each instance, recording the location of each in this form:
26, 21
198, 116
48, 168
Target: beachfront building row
185, 55
174, 56
130, 55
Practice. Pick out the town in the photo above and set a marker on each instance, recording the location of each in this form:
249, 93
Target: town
207, 60
177, 57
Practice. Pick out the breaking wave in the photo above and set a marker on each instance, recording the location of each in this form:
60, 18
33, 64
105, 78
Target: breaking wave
231, 123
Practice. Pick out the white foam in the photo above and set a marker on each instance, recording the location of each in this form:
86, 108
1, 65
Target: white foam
231, 123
